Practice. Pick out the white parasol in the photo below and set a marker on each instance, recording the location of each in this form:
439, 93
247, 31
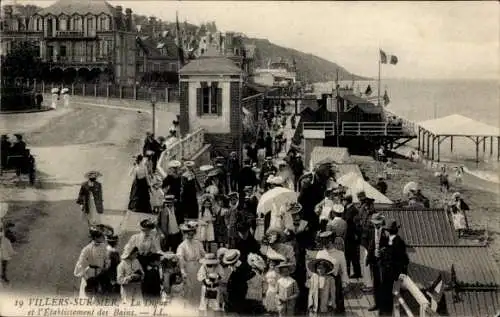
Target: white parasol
278, 196
411, 186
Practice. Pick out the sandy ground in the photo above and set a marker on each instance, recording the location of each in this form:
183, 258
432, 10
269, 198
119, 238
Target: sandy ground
482, 197
66, 144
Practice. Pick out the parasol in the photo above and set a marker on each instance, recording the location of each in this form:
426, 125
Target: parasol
411, 186
278, 196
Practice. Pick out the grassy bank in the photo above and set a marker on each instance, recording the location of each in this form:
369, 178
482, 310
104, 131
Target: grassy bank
484, 205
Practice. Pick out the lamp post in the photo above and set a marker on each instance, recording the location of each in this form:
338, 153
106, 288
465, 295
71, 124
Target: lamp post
153, 104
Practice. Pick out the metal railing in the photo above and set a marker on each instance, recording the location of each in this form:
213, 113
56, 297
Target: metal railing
372, 128
69, 34
407, 124
406, 283
185, 148
327, 126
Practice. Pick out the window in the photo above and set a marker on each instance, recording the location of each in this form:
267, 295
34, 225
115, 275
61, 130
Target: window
62, 24
209, 99
63, 51
103, 23
77, 24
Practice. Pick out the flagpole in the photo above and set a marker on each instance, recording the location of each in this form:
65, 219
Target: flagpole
378, 99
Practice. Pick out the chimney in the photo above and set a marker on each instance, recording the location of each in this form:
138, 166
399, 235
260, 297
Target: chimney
119, 17
128, 20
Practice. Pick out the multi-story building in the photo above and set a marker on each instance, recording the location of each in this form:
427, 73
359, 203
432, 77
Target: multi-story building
80, 37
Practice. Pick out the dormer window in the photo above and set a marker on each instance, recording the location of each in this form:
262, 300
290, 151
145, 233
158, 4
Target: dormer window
103, 23
77, 23
63, 23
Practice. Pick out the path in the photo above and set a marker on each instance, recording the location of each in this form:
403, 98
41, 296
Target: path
67, 143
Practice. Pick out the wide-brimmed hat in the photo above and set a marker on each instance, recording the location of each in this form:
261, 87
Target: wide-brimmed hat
294, 208
221, 252
112, 238
256, 261
93, 174
312, 265
206, 168
456, 195
174, 164
338, 209
231, 257
209, 259
377, 218
147, 224
391, 225
189, 163
272, 255
95, 232
189, 226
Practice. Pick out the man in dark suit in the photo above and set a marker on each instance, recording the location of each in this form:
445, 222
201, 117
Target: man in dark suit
374, 239
393, 262
353, 237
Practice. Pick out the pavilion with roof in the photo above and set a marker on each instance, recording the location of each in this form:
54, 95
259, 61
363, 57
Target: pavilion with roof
435, 131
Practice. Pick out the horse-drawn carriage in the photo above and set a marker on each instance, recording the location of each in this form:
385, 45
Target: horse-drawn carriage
18, 160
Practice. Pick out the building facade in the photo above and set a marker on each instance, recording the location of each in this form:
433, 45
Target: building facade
78, 38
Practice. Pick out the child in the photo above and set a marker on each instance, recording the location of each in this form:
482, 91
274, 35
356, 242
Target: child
169, 267
220, 226
223, 282
272, 276
459, 171
255, 293
206, 233
152, 281
288, 290
210, 275
157, 197
7, 237
321, 287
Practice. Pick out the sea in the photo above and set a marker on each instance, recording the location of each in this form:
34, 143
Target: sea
423, 99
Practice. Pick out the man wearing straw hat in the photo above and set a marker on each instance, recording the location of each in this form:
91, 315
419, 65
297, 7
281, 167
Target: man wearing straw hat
237, 286
90, 197
172, 185
373, 236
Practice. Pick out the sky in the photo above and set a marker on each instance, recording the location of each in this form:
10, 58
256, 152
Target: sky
438, 40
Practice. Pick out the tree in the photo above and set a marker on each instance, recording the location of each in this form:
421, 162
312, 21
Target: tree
22, 62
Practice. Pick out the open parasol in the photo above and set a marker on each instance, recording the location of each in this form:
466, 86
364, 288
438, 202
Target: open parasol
410, 186
278, 196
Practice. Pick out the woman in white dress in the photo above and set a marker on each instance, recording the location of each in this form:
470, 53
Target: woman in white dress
55, 97
129, 275
189, 253
92, 264
206, 218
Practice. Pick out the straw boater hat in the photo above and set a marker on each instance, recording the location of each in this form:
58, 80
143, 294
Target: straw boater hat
206, 168
189, 164
455, 195
169, 199
338, 209
147, 224
231, 257
149, 153
256, 261
313, 264
174, 164
377, 218
189, 226
93, 174
221, 252
325, 234
209, 259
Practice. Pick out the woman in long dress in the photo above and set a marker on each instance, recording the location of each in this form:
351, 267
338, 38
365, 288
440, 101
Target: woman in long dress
90, 198
147, 242
189, 253
129, 275
139, 193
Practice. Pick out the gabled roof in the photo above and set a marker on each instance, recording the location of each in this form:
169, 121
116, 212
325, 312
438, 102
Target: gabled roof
82, 7
423, 227
473, 303
474, 266
459, 125
211, 66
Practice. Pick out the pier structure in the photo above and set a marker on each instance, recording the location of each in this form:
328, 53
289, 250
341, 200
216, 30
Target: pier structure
432, 133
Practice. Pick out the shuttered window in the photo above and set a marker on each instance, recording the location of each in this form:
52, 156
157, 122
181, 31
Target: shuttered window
209, 99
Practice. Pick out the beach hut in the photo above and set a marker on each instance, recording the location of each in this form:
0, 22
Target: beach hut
356, 184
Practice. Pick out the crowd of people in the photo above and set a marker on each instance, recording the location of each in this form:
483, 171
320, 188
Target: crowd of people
220, 244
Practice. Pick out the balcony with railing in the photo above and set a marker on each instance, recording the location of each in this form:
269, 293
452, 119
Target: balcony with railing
375, 129
328, 128
71, 34
79, 59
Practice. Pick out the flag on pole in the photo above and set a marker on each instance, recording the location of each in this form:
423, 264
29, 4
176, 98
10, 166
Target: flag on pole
394, 60
180, 51
386, 99
368, 90
383, 57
